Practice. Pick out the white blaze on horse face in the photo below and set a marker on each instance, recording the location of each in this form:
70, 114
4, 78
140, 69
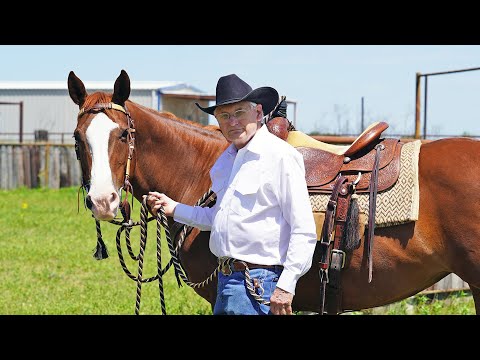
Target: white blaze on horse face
105, 198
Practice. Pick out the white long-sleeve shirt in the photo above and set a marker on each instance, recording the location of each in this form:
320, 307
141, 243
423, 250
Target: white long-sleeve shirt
262, 214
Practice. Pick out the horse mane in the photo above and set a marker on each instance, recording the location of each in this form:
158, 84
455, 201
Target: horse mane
97, 97
215, 128
180, 123
208, 130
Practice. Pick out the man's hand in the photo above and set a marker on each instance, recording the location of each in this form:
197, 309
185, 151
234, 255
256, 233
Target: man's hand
156, 199
281, 302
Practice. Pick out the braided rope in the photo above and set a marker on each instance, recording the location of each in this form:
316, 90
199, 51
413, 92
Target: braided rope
143, 223
250, 287
173, 250
162, 218
122, 260
128, 242
140, 258
159, 271
143, 244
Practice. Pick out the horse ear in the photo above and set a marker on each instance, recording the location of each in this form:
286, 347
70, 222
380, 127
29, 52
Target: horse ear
121, 90
76, 89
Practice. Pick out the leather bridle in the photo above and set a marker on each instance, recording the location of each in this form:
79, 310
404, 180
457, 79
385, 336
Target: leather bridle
127, 186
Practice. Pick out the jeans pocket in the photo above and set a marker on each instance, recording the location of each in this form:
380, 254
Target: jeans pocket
257, 278
272, 280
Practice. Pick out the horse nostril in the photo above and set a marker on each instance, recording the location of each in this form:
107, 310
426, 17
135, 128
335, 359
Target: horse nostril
88, 202
114, 196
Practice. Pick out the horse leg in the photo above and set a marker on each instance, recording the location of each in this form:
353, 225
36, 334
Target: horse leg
476, 298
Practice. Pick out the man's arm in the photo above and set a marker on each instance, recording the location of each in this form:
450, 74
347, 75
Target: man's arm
195, 216
295, 202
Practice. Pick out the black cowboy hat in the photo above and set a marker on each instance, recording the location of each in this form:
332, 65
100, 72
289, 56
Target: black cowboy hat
232, 89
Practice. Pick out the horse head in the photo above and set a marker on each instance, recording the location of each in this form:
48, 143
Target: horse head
104, 143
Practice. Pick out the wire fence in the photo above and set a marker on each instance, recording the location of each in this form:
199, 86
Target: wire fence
37, 136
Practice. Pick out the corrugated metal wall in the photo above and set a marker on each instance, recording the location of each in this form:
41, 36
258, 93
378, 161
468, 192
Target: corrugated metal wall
50, 110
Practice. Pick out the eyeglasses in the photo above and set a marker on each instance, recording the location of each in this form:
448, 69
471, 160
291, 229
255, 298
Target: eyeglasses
240, 114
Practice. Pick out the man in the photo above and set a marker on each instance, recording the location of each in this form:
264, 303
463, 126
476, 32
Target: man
262, 217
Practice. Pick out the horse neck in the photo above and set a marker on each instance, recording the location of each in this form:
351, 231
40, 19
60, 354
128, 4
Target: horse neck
172, 156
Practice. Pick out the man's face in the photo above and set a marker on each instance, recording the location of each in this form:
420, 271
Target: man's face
239, 121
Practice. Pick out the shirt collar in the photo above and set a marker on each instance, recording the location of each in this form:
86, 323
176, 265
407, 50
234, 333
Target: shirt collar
259, 141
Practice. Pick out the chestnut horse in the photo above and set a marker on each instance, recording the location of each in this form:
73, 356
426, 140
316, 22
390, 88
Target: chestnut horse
174, 156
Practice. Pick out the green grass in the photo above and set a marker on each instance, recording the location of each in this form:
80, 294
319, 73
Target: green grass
455, 303
47, 267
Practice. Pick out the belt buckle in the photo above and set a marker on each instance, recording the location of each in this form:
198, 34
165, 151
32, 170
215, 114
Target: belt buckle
225, 267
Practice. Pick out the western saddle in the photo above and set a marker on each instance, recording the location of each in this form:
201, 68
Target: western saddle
371, 164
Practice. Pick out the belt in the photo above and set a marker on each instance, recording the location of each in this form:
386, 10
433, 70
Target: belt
239, 265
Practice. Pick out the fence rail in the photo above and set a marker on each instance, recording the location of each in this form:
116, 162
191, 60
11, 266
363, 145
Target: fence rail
37, 136
38, 165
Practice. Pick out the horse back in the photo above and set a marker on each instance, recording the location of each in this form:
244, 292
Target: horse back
449, 185
450, 163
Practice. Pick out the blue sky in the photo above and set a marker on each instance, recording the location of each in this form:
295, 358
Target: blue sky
327, 81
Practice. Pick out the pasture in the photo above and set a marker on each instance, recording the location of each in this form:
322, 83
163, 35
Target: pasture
47, 267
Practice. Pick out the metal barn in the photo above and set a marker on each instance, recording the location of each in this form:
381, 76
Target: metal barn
43, 110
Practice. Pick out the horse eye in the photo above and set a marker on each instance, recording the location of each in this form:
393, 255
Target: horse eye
124, 134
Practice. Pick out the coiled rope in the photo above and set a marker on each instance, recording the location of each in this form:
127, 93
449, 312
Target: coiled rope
161, 218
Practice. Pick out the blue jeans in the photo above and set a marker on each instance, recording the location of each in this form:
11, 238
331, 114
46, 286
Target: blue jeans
234, 298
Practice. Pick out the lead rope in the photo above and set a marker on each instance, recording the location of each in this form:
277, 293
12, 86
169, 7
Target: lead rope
207, 198
250, 286
127, 227
174, 250
161, 221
